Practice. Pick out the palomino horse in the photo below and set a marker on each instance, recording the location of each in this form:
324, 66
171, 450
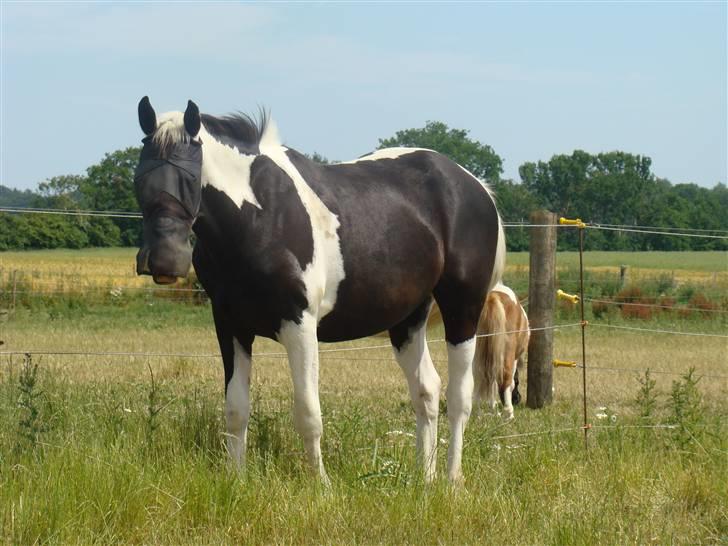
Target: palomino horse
300, 253
501, 350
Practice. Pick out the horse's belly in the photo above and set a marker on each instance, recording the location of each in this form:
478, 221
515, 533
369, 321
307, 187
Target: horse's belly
368, 305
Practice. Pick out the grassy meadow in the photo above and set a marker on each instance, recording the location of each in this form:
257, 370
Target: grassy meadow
118, 449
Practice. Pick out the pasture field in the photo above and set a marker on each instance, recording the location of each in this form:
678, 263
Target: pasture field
118, 449
108, 268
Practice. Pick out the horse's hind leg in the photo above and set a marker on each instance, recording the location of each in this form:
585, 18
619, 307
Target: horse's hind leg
509, 372
413, 356
460, 317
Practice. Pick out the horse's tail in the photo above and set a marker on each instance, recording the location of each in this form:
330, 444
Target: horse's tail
490, 349
499, 264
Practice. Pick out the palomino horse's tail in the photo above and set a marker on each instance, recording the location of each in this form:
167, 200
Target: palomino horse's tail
490, 350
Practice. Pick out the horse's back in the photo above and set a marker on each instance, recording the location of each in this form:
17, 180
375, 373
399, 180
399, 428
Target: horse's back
407, 221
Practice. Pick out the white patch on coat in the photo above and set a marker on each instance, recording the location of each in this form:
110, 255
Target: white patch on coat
424, 387
225, 168
459, 395
326, 270
302, 347
385, 153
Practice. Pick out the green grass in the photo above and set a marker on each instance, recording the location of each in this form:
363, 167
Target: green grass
90, 453
99, 462
704, 261
96, 475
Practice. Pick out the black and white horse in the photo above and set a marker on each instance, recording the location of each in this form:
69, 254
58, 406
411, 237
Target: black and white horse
300, 252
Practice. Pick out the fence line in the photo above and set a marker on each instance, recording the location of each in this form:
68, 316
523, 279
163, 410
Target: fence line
120, 289
658, 230
655, 232
281, 355
92, 213
672, 307
656, 331
643, 370
695, 230
217, 355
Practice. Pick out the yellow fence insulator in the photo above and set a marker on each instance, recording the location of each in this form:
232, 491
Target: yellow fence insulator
573, 298
564, 364
568, 222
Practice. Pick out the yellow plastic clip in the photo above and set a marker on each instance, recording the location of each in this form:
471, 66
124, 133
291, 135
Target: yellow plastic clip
564, 296
568, 222
564, 364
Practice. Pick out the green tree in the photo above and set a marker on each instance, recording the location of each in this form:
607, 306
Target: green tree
60, 192
109, 185
479, 159
603, 188
10, 197
318, 158
515, 204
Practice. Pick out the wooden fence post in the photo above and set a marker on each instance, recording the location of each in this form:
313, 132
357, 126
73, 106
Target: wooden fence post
622, 275
15, 289
541, 306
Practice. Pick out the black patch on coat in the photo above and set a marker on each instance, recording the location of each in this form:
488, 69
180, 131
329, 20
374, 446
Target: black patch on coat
254, 258
410, 227
402, 332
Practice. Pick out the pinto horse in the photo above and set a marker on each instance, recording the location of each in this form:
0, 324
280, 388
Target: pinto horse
300, 252
502, 348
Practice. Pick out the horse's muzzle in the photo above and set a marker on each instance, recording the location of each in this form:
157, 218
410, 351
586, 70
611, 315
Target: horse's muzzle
164, 264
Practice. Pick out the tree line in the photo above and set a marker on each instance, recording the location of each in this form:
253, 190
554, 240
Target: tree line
613, 187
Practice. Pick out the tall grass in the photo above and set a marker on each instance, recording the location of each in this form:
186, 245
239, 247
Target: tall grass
125, 449
120, 458
92, 477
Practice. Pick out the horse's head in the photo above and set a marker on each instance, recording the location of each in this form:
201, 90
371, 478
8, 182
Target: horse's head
168, 188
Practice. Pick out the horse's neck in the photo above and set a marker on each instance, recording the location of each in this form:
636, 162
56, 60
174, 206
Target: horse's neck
227, 169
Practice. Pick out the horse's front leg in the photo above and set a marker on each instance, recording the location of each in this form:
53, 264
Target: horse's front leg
301, 345
237, 359
237, 402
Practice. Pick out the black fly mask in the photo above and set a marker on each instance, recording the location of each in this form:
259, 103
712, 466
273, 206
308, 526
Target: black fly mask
178, 175
168, 186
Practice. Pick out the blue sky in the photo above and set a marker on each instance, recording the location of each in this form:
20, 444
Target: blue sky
530, 79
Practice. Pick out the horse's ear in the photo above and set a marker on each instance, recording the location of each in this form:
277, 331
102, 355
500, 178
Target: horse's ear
147, 117
192, 119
